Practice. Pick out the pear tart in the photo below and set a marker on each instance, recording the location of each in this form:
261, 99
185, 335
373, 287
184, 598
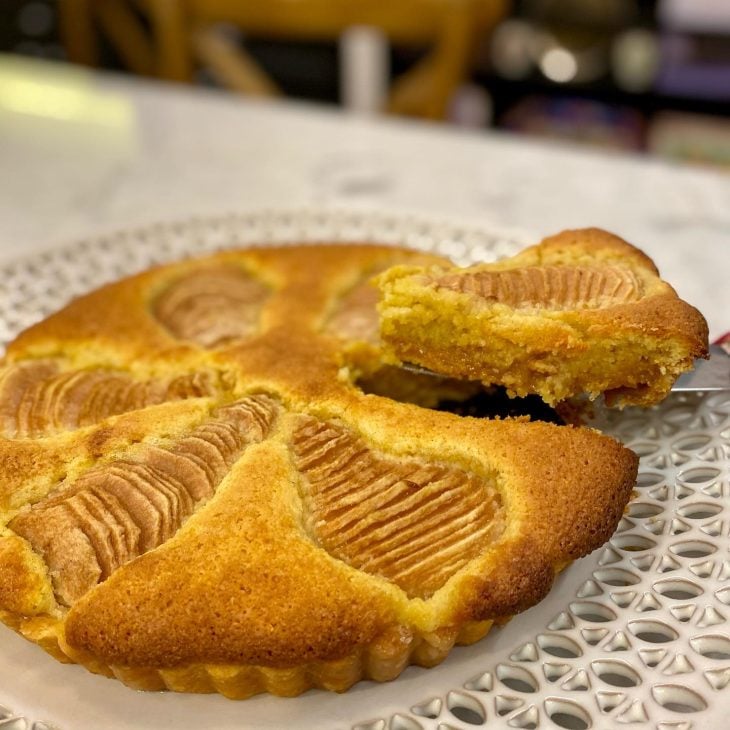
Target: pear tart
196, 495
581, 312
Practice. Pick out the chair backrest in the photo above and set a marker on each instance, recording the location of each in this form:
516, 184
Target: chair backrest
186, 34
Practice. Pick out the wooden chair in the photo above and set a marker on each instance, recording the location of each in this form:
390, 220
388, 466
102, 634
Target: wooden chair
82, 22
182, 35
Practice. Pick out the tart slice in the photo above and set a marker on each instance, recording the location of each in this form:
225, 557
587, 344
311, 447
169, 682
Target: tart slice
581, 312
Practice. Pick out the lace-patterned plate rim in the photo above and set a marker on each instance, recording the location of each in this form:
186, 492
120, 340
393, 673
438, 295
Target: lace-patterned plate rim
635, 633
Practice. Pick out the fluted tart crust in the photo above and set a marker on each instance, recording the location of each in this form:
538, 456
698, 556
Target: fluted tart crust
581, 312
196, 495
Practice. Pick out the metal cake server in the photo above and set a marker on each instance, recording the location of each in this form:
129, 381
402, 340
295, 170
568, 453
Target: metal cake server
712, 374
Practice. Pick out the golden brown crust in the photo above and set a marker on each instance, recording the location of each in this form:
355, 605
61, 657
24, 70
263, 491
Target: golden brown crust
581, 312
223, 614
586, 244
240, 590
24, 589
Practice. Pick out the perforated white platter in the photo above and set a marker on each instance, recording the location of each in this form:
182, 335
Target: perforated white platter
636, 634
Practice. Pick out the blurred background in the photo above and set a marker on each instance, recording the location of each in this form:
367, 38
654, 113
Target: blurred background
636, 75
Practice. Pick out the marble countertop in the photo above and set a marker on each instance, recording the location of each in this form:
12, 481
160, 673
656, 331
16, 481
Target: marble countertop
83, 153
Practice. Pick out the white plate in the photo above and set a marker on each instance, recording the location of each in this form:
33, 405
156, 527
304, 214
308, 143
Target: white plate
637, 633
